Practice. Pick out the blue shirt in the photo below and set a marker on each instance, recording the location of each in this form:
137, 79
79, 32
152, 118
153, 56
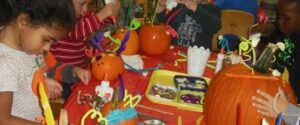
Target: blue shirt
250, 6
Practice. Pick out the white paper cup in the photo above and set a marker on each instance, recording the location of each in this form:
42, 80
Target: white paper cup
196, 60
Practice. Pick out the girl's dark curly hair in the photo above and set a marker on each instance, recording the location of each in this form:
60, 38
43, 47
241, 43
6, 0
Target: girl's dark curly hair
41, 12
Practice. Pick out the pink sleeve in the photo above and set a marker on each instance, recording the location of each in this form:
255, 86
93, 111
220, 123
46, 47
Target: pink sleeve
87, 24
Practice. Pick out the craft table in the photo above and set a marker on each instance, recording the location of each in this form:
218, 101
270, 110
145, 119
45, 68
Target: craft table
136, 84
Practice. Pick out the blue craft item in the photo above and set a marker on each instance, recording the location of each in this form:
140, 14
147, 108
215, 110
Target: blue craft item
224, 43
123, 43
279, 119
122, 87
117, 116
229, 42
97, 39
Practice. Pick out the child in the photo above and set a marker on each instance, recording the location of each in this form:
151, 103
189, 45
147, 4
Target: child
195, 22
71, 48
289, 17
28, 27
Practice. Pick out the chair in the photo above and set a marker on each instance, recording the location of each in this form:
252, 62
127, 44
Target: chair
233, 22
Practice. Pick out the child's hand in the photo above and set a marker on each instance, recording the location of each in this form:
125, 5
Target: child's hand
54, 88
265, 104
82, 74
110, 9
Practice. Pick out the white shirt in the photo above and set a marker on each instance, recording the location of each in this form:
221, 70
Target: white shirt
16, 74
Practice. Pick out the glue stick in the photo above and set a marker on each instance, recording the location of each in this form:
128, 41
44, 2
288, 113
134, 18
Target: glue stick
220, 59
104, 90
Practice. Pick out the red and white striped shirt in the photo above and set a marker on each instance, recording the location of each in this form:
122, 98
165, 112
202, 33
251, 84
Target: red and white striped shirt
70, 50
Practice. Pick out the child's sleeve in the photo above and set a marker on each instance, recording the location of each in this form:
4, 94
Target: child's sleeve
292, 109
208, 16
87, 24
59, 71
9, 75
161, 17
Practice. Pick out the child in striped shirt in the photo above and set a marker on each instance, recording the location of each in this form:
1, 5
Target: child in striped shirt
70, 49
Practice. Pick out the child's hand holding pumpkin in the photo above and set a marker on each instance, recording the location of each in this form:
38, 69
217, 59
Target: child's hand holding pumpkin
264, 104
82, 74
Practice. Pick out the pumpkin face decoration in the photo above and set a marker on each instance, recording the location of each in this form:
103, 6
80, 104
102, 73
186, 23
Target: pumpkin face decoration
132, 46
109, 64
228, 98
154, 39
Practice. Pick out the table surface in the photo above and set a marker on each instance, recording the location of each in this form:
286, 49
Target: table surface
137, 84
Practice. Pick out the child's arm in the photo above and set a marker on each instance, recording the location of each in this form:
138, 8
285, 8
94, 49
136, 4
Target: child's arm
5, 106
110, 9
9, 77
291, 109
64, 72
208, 16
93, 21
264, 105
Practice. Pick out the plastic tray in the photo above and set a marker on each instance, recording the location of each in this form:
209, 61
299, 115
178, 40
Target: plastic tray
166, 77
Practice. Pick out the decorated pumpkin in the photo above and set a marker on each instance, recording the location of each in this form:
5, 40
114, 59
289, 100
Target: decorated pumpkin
133, 121
108, 107
228, 98
132, 46
109, 64
154, 39
117, 111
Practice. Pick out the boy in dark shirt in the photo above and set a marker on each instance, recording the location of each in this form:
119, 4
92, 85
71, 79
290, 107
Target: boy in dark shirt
195, 22
289, 18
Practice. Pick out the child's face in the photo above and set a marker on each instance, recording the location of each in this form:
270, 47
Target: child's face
33, 40
289, 17
80, 6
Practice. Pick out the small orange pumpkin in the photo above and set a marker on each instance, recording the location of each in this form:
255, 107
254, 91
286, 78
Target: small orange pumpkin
109, 64
235, 85
132, 46
154, 39
107, 108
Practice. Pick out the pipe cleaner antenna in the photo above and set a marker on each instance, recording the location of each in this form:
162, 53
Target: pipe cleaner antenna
246, 48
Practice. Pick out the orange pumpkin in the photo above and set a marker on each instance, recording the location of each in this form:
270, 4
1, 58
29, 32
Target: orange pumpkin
133, 121
235, 85
107, 108
132, 46
109, 64
154, 39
